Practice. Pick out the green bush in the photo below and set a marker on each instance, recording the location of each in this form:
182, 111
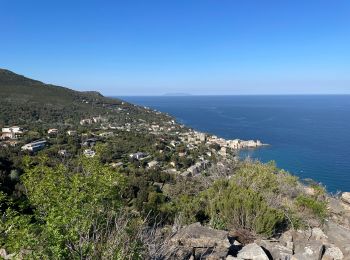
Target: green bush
77, 215
234, 207
317, 207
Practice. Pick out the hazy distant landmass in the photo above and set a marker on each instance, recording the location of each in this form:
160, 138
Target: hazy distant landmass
177, 94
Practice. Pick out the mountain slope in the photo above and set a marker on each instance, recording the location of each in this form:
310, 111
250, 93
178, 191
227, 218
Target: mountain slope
24, 100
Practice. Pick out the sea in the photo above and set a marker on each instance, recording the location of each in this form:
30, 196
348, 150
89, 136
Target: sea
308, 135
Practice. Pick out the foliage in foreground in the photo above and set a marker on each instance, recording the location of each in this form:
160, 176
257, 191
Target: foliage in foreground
76, 215
259, 198
81, 212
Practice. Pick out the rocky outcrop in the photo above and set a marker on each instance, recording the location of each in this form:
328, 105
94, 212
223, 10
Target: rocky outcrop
199, 242
312, 250
339, 236
276, 250
196, 235
346, 197
333, 253
252, 251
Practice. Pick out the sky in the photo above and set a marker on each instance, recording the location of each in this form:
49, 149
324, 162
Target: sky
199, 47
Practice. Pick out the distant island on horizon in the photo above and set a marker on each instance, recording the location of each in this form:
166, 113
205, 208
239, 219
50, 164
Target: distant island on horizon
177, 94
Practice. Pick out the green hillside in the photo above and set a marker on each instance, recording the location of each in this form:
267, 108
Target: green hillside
24, 100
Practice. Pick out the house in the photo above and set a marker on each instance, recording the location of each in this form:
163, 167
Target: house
89, 153
138, 155
90, 142
12, 143
98, 119
71, 132
86, 121
52, 131
223, 151
152, 164
106, 134
34, 146
63, 153
13, 132
116, 164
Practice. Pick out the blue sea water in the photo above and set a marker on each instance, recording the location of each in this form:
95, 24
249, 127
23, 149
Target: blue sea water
309, 135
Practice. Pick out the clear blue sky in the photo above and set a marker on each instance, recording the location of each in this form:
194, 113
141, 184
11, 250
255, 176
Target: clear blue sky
150, 47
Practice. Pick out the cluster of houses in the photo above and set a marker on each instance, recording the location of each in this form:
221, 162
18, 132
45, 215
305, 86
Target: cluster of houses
95, 119
197, 168
194, 138
13, 132
188, 138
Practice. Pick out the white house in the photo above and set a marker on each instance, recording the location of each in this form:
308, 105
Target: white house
152, 164
89, 153
34, 146
87, 121
13, 132
71, 132
52, 131
138, 155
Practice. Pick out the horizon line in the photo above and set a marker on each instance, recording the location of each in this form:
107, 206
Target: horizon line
220, 95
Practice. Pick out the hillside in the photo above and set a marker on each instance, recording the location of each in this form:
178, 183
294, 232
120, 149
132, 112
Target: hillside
24, 100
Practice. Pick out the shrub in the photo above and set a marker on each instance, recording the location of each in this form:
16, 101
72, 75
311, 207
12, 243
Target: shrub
77, 215
235, 207
317, 207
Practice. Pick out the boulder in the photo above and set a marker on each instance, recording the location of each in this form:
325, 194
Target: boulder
3, 253
286, 237
346, 197
318, 234
335, 206
199, 242
311, 250
276, 250
333, 253
339, 236
253, 252
196, 235
177, 252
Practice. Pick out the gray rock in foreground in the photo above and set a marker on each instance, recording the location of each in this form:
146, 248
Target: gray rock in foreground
252, 251
346, 197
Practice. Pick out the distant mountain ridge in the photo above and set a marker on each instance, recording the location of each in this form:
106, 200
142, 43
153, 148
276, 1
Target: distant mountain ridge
24, 100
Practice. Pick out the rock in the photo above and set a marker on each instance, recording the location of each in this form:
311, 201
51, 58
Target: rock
346, 197
253, 252
276, 250
198, 241
290, 246
287, 236
177, 252
335, 206
318, 234
3, 253
287, 240
333, 253
212, 255
237, 243
230, 257
309, 191
308, 251
196, 235
339, 236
